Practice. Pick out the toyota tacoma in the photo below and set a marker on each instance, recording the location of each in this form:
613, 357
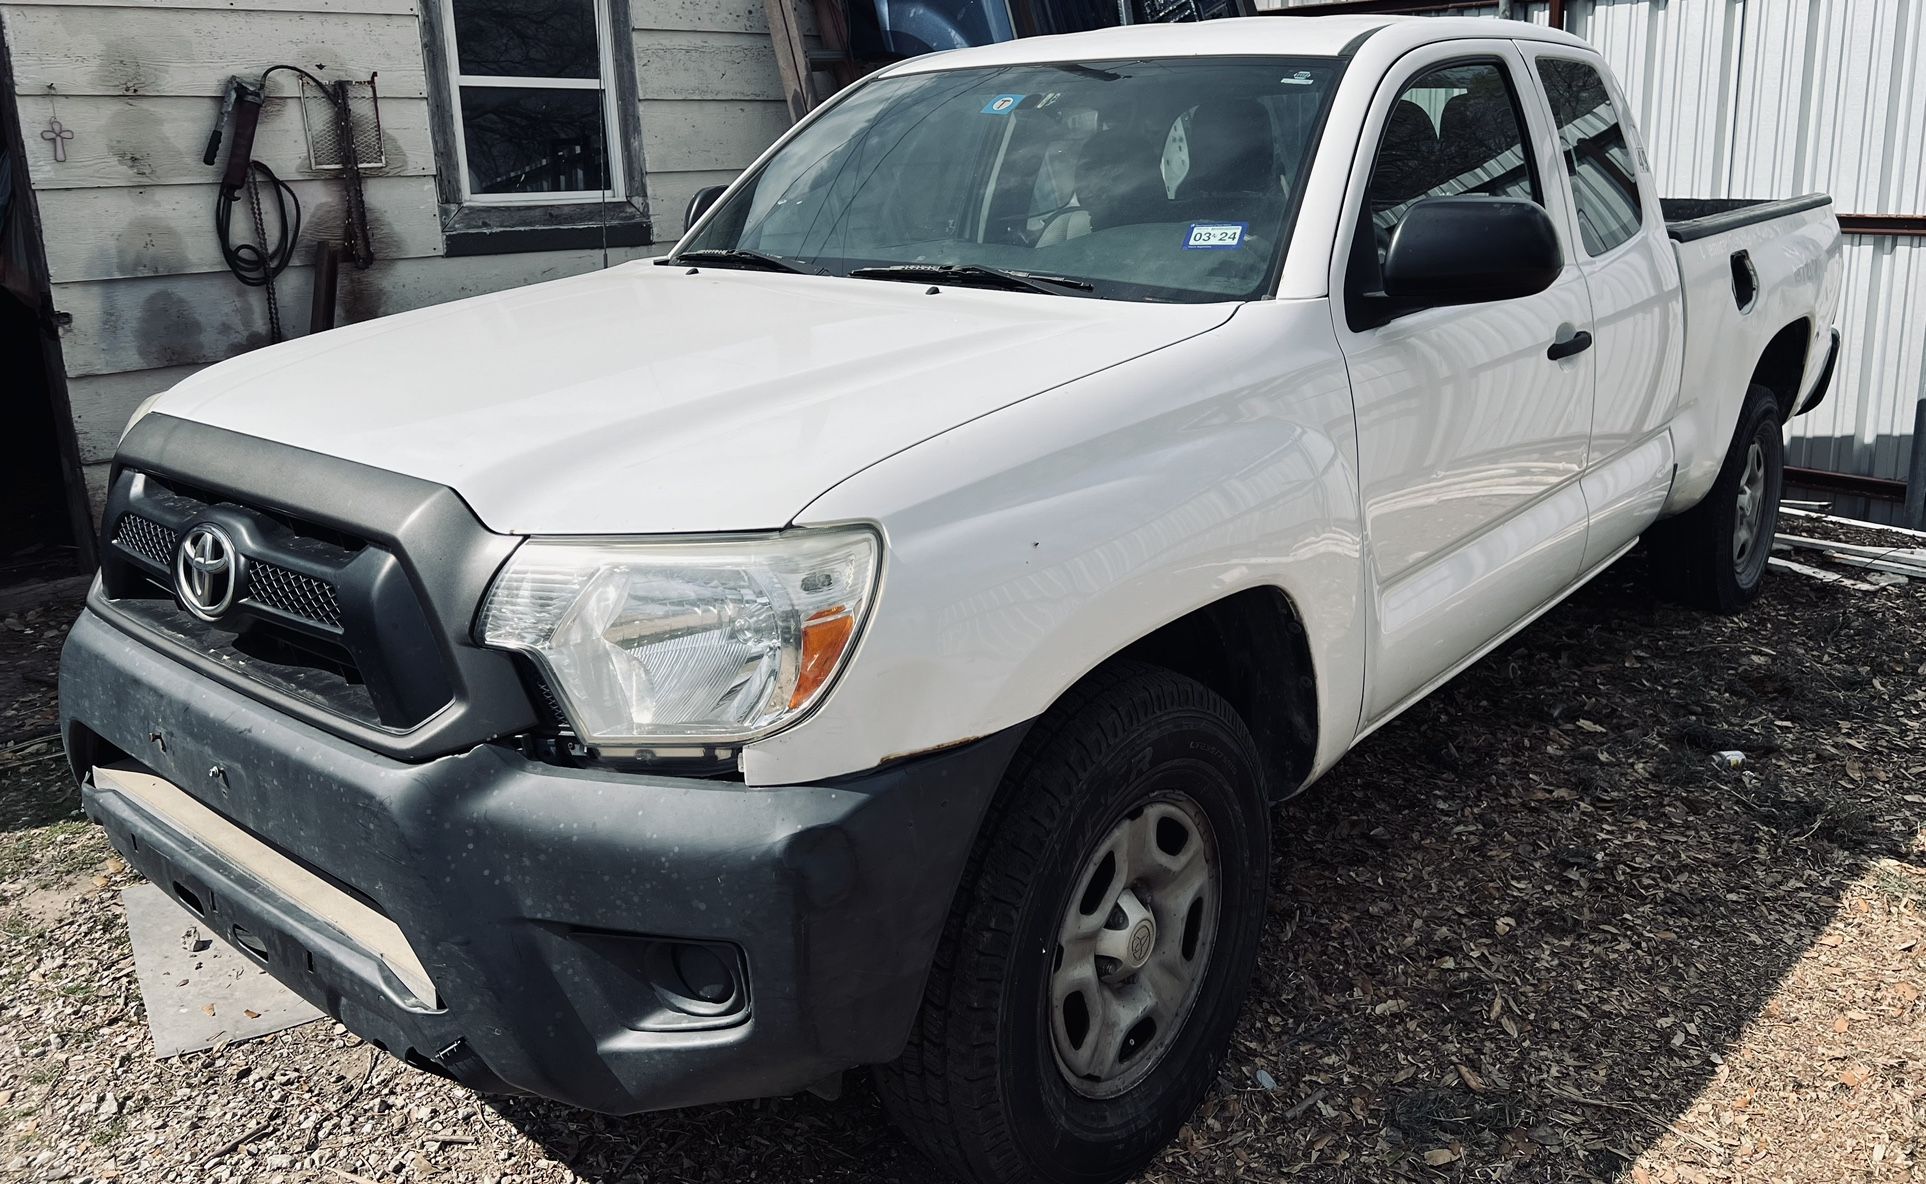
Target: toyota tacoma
875, 632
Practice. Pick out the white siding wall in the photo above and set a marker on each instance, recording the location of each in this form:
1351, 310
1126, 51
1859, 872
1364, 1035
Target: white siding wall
1768, 98
127, 218
1771, 98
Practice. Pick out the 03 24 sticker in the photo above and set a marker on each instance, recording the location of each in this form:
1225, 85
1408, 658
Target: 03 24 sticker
1215, 236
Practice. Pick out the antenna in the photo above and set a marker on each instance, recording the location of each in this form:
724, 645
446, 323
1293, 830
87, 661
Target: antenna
608, 139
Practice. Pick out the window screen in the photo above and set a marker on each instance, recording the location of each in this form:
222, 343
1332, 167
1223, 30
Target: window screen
1597, 158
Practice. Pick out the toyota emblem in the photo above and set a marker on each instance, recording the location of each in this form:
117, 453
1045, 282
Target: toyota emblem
207, 571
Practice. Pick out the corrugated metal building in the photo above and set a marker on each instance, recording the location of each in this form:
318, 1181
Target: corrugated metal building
1769, 98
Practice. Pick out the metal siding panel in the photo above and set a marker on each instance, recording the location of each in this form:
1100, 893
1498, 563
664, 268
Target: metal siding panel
1865, 426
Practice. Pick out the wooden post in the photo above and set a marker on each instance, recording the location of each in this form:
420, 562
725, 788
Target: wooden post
792, 57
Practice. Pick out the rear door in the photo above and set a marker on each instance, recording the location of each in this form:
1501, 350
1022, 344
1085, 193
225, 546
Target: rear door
1471, 438
1632, 276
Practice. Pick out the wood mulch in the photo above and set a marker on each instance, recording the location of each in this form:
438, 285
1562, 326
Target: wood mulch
1529, 931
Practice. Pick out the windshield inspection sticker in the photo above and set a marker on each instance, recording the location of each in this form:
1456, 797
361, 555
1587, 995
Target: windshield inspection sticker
1002, 104
1216, 236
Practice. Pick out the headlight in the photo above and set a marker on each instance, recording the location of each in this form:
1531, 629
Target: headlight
705, 641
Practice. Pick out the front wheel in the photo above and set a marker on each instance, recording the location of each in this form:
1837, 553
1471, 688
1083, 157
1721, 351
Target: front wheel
1714, 555
1099, 949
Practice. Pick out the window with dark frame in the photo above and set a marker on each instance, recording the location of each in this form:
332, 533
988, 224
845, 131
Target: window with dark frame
532, 110
1453, 129
537, 130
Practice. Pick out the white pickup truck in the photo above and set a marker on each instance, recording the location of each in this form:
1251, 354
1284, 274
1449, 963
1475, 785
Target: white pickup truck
875, 632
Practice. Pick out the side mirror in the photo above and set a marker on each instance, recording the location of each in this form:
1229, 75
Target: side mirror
1471, 250
700, 203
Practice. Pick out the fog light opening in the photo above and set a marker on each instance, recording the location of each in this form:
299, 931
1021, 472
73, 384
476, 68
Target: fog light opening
696, 979
186, 896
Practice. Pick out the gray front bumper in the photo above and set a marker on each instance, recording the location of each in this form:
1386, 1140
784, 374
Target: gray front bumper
517, 883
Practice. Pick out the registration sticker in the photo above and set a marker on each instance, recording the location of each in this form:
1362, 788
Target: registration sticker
1216, 236
1002, 104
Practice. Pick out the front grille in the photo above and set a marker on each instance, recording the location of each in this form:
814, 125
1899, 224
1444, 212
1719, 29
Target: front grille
148, 539
317, 612
547, 705
294, 594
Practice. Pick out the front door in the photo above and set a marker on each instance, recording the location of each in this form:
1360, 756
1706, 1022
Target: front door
1472, 436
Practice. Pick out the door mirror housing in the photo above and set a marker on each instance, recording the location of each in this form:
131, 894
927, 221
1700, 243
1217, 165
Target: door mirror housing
1471, 250
700, 203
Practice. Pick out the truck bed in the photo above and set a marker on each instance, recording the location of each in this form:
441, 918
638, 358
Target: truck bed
1752, 272
1690, 218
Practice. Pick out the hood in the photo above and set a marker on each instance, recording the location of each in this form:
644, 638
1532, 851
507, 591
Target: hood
644, 399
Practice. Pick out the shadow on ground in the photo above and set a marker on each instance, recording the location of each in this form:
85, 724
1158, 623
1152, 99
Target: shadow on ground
1516, 932
35, 788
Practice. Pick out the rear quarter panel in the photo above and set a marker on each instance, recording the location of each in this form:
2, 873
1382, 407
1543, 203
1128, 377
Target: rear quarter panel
1797, 258
1027, 546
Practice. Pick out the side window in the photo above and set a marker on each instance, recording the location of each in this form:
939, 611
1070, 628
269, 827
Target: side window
1452, 130
1597, 158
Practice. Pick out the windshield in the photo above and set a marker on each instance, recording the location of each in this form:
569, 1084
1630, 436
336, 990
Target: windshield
1173, 179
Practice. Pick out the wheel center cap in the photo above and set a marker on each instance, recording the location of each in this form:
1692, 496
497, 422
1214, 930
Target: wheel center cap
1143, 939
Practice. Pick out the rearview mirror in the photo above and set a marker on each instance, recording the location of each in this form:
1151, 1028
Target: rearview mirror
700, 203
1470, 250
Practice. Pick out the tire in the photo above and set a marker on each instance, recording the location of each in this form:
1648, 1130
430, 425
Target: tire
987, 1086
1714, 555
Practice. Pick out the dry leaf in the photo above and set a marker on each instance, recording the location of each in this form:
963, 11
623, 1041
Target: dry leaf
1831, 939
1440, 1156
1853, 1078
209, 1009
250, 1013
1840, 1024
1473, 1082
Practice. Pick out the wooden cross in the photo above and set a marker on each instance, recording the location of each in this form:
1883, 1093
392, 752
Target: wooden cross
58, 137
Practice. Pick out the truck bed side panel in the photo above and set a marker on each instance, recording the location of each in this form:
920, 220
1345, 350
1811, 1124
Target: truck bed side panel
1795, 258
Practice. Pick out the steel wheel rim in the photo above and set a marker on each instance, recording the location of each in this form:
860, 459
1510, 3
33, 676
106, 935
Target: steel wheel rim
1132, 946
1752, 497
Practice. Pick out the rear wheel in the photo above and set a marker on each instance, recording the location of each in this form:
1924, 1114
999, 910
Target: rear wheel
1086, 986
1714, 555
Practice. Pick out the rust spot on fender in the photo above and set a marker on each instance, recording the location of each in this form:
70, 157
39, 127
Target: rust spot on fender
893, 757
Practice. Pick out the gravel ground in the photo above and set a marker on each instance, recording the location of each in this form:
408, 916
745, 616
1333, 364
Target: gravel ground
1526, 932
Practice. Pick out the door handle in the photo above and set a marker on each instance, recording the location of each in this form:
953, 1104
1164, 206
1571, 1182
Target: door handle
1577, 343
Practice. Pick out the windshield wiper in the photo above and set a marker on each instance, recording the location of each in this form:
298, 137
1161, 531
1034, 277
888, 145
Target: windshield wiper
741, 257
974, 275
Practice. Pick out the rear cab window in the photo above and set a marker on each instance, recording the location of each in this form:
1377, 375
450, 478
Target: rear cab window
1598, 157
